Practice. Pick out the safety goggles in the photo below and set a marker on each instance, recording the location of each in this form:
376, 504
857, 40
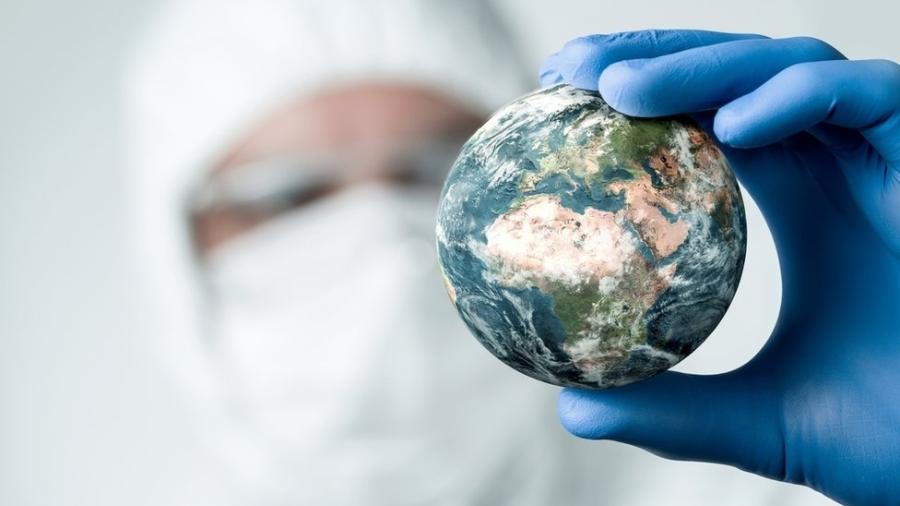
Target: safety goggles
272, 185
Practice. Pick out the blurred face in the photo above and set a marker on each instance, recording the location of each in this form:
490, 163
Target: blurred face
317, 146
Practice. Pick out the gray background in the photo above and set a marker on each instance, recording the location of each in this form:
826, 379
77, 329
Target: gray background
86, 417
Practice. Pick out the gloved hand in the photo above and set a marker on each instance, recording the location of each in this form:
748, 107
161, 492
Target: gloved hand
815, 139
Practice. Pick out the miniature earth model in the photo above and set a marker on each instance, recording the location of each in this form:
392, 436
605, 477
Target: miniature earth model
586, 248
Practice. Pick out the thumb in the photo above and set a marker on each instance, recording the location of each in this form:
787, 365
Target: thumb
728, 418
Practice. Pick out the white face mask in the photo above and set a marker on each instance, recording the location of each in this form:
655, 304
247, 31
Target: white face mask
303, 303
321, 284
352, 380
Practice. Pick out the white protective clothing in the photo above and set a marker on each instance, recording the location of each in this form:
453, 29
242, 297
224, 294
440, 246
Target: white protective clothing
320, 374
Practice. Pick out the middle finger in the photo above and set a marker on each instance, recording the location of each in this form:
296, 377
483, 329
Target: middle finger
703, 78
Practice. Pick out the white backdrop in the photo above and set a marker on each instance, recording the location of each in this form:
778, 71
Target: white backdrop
86, 417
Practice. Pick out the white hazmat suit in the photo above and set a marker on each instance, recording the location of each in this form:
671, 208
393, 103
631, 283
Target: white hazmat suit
322, 375
326, 362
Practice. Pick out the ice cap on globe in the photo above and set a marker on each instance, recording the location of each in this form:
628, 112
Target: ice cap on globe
586, 248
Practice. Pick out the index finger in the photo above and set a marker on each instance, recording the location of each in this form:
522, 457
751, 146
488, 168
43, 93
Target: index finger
581, 60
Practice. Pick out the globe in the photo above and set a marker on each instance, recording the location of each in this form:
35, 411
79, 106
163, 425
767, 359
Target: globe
586, 248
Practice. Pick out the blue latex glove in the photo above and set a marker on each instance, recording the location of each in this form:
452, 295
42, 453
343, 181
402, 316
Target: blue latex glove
815, 139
